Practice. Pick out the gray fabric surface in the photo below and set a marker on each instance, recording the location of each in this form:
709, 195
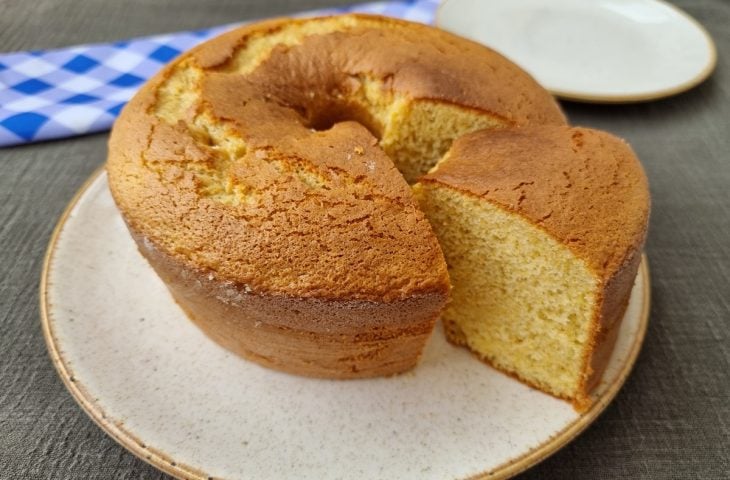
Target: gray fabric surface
670, 421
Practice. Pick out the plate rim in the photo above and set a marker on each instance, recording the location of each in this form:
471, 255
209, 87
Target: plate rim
581, 97
166, 463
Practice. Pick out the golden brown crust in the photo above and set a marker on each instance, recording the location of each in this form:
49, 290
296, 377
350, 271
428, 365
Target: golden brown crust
305, 336
424, 62
583, 187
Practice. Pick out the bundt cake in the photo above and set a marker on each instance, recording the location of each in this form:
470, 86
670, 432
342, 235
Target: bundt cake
264, 175
542, 229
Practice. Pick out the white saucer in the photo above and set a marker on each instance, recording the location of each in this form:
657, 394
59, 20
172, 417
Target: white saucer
591, 50
158, 386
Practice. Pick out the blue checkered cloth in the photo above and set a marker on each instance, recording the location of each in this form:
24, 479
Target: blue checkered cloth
50, 94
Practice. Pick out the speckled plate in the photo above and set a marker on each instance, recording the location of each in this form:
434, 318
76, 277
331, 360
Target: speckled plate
159, 387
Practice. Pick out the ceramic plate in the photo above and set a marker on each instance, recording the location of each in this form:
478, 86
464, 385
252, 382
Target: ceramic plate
159, 387
598, 50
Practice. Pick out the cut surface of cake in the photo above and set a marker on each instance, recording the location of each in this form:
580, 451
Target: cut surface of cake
542, 230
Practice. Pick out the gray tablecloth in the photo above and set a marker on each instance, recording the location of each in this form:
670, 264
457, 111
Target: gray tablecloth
669, 421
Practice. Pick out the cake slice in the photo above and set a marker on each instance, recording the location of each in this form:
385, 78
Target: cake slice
542, 229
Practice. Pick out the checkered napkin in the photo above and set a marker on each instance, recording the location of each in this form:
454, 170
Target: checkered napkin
51, 94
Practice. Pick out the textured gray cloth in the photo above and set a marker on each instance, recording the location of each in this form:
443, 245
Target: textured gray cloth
670, 421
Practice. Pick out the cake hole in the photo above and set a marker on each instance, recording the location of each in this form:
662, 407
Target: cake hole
323, 116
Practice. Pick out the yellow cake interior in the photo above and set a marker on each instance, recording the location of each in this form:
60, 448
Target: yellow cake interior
520, 300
